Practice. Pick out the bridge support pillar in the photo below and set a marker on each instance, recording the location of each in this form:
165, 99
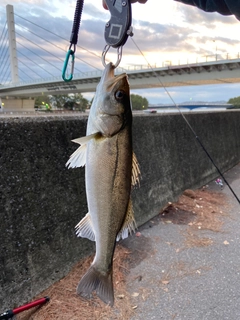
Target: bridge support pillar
12, 43
17, 104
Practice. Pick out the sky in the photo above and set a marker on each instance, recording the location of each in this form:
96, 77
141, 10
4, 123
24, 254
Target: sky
168, 31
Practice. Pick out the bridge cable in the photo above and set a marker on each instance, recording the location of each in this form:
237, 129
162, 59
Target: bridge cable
3, 30
188, 124
8, 75
4, 66
50, 52
7, 67
25, 73
26, 65
36, 65
93, 53
2, 45
45, 41
39, 57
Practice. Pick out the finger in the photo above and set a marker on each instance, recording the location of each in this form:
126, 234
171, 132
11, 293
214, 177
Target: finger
104, 5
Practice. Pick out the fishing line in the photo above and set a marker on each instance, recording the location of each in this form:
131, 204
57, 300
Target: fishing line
188, 124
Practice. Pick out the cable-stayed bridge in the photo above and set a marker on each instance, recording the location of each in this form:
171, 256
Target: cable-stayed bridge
31, 65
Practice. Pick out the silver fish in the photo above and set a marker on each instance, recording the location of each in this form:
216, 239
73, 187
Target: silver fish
111, 171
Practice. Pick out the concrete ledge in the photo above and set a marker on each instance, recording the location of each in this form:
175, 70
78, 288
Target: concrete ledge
41, 201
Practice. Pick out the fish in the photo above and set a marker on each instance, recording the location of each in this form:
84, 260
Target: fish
111, 171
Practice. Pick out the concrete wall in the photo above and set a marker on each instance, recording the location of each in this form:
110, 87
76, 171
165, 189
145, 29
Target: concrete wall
41, 201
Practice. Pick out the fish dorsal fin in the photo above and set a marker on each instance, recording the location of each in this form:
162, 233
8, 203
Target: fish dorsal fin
135, 171
129, 225
78, 158
84, 228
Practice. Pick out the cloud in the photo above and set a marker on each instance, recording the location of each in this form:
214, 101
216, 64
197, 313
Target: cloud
165, 38
44, 27
209, 93
193, 15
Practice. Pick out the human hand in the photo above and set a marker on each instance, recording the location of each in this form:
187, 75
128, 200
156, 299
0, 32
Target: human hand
140, 1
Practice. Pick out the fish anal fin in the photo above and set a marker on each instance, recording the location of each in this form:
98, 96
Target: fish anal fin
135, 171
94, 280
129, 225
84, 228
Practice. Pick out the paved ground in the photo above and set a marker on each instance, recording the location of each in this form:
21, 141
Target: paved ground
170, 280
184, 264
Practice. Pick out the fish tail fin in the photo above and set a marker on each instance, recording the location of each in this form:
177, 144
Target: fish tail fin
101, 283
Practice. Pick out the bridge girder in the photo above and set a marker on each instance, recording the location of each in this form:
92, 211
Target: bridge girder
219, 72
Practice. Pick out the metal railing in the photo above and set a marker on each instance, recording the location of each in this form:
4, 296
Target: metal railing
162, 64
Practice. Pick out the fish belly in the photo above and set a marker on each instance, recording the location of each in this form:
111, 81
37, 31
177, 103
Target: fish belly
108, 186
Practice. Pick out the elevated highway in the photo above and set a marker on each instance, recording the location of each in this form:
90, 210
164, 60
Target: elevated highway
214, 72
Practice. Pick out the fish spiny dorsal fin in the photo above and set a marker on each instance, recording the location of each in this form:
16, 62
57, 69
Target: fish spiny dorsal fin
78, 158
129, 225
135, 171
84, 228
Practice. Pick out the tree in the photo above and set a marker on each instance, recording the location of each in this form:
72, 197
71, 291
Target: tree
60, 100
235, 102
82, 103
70, 101
42, 101
138, 102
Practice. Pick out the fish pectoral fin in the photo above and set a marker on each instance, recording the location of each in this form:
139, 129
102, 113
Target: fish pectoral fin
135, 171
84, 228
129, 225
95, 280
86, 139
78, 158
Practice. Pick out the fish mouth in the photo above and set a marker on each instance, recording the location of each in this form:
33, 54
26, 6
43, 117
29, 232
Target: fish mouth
108, 78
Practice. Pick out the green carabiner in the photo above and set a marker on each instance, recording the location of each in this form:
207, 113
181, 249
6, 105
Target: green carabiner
69, 53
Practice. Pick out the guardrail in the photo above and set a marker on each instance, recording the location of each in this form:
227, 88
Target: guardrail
164, 64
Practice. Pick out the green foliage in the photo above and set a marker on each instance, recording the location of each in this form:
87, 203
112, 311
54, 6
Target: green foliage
59, 100
42, 101
67, 101
138, 102
235, 102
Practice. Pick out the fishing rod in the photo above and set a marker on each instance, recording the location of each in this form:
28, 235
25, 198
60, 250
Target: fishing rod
11, 313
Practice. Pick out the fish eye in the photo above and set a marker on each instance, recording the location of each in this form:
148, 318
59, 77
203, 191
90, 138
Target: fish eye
119, 94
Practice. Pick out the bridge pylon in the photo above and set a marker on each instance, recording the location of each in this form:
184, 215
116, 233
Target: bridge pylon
12, 43
13, 102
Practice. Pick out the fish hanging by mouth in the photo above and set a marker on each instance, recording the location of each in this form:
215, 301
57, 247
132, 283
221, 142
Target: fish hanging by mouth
111, 172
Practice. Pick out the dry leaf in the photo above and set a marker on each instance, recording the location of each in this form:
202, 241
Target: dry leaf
165, 282
135, 294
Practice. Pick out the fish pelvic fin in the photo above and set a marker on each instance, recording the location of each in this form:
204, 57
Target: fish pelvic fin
129, 224
136, 174
78, 158
85, 229
93, 280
